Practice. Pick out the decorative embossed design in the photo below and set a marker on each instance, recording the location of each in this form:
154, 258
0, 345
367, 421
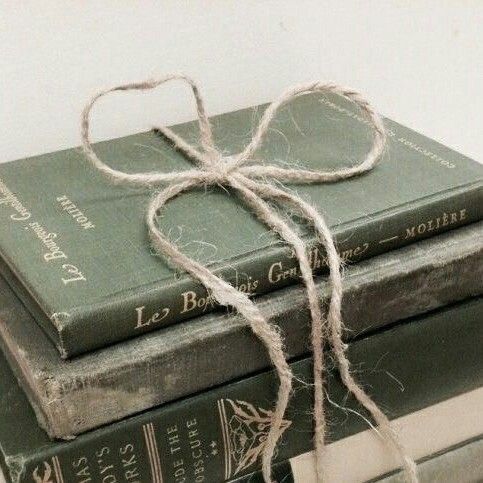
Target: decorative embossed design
245, 429
46, 477
153, 452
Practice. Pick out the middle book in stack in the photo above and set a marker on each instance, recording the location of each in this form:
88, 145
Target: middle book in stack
108, 385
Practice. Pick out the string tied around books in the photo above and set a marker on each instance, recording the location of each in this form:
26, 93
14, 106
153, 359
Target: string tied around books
253, 183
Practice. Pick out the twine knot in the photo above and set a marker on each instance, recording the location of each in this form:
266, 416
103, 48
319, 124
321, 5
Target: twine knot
221, 169
252, 182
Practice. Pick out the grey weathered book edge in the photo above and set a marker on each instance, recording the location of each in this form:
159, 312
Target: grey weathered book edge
71, 397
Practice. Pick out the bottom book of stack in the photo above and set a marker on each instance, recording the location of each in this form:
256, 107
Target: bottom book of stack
444, 453
425, 372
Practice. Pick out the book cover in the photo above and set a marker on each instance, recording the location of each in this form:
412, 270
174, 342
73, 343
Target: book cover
76, 249
219, 434
74, 396
462, 462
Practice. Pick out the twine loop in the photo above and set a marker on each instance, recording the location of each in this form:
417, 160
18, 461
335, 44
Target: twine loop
253, 182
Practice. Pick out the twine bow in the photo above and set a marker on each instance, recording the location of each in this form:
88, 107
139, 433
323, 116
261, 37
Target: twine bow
241, 174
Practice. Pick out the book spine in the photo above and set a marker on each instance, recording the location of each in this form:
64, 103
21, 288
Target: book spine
282, 472
219, 435
133, 314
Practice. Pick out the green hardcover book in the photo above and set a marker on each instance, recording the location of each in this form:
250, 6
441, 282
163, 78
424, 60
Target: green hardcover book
76, 249
219, 434
459, 463
462, 463
110, 384
74, 396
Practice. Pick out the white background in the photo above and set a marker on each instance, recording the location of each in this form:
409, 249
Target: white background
420, 62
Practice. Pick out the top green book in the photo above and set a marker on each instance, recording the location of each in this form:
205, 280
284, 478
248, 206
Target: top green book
75, 247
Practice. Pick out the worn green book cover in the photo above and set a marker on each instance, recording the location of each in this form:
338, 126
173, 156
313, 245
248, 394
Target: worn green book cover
75, 246
74, 396
219, 434
459, 463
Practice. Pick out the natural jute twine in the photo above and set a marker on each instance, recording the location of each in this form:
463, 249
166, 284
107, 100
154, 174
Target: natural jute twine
252, 183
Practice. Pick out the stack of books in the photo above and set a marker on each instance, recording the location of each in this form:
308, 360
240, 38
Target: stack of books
115, 367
